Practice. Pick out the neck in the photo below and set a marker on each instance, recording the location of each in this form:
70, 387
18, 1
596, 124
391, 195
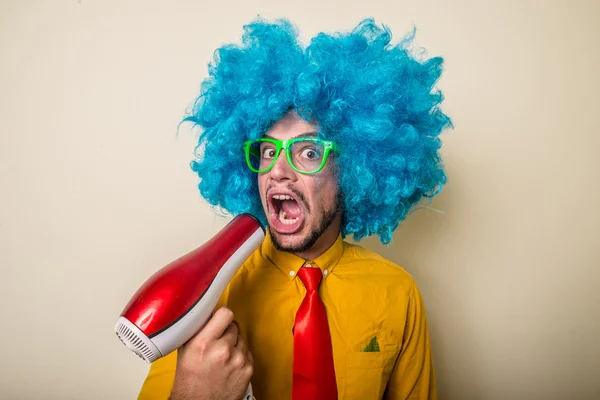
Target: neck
325, 241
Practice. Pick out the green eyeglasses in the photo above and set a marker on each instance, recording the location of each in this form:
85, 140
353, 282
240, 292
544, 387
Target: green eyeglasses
305, 155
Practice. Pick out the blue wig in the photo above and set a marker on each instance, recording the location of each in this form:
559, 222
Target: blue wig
372, 98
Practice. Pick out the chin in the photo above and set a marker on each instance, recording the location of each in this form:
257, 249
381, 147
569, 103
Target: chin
295, 242
286, 239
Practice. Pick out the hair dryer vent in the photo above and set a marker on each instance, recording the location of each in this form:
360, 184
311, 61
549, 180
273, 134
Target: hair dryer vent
136, 341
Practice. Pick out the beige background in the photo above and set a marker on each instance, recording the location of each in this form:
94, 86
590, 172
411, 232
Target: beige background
96, 192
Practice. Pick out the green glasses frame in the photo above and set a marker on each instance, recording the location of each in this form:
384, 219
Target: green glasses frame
286, 145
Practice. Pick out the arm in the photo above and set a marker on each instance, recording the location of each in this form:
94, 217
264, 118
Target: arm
159, 383
215, 364
413, 376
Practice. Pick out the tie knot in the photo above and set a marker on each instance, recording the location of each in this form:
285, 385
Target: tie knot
310, 277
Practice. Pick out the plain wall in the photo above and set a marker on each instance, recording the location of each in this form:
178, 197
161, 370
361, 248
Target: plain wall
97, 193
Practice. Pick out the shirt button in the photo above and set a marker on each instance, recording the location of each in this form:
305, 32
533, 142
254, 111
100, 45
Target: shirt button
325, 272
292, 273
308, 265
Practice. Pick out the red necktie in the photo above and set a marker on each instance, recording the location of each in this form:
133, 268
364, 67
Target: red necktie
314, 375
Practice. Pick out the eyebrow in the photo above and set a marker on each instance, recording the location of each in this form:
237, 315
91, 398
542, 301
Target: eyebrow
305, 134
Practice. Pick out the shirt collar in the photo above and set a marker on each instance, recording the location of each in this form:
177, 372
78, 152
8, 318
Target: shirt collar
289, 263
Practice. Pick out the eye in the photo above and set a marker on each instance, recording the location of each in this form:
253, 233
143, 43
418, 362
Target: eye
310, 153
268, 152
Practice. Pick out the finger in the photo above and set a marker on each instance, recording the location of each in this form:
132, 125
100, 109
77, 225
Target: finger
241, 344
236, 324
217, 325
250, 357
231, 335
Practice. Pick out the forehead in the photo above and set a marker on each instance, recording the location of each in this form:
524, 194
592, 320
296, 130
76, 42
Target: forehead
291, 126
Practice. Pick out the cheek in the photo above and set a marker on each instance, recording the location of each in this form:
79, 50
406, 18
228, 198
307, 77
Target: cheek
261, 188
329, 197
331, 191
324, 194
261, 184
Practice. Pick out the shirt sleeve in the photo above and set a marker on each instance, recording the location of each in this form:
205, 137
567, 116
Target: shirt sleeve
161, 376
413, 376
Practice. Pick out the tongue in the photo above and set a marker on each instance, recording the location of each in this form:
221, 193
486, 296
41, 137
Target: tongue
291, 209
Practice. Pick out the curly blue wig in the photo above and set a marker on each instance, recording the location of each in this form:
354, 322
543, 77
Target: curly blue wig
372, 98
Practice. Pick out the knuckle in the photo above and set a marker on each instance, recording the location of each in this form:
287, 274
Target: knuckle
200, 346
225, 312
223, 354
238, 360
248, 371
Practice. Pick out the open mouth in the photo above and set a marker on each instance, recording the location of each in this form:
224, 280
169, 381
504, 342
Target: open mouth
287, 214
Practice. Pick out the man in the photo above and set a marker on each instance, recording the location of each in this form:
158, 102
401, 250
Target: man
339, 138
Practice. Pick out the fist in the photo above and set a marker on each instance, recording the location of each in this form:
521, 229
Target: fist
215, 364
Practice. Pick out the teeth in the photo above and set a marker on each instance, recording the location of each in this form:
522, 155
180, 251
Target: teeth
282, 197
283, 218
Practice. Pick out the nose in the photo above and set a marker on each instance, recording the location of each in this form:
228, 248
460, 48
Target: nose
282, 170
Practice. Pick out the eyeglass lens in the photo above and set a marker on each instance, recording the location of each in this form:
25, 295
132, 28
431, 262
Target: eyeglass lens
306, 155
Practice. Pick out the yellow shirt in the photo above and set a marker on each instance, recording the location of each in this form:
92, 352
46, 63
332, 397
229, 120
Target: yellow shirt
372, 305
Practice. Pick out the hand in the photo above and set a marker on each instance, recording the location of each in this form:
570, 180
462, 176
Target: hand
214, 364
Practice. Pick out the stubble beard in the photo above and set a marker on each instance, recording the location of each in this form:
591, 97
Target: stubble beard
314, 234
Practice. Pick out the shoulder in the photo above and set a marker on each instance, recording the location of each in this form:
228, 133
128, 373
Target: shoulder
368, 262
251, 269
251, 265
367, 273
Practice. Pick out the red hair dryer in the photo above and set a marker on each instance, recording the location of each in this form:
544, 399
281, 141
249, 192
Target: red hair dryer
177, 301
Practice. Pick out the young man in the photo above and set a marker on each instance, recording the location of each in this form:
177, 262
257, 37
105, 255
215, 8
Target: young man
339, 138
